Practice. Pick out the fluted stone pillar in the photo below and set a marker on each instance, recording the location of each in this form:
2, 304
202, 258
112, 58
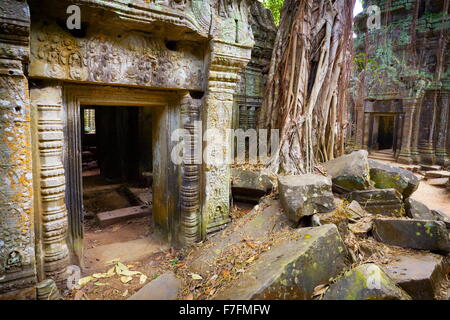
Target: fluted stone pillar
17, 250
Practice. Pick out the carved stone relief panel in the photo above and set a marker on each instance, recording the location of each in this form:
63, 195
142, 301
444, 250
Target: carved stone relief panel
115, 58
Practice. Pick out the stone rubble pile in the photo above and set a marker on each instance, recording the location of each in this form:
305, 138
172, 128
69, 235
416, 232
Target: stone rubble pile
297, 245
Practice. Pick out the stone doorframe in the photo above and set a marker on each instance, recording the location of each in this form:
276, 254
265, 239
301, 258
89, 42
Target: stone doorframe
57, 159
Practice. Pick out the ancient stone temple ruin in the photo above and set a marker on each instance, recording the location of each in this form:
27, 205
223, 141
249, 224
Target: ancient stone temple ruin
404, 90
144, 68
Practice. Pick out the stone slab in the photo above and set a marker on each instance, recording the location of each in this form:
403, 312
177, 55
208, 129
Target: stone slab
165, 287
387, 202
291, 269
365, 282
108, 218
257, 224
420, 275
413, 233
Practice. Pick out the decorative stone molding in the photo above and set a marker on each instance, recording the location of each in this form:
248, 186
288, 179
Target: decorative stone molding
132, 59
190, 181
51, 184
226, 62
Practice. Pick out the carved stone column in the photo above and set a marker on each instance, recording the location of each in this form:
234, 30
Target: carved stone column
225, 63
415, 155
17, 251
409, 106
442, 156
190, 173
53, 255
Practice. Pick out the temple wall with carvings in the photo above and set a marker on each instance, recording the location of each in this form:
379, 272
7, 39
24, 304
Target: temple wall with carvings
164, 54
409, 79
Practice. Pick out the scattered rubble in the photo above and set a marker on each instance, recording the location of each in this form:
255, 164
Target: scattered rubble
386, 176
421, 274
248, 185
293, 267
365, 282
413, 233
387, 202
349, 172
305, 195
417, 210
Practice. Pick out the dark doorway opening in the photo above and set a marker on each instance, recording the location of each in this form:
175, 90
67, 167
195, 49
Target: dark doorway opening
117, 163
385, 139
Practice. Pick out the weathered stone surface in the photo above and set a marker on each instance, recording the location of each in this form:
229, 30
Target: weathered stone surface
267, 217
247, 185
47, 290
417, 210
361, 227
438, 182
165, 287
292, 268
428, 167
349, 172
441, 216
437, 174
412, 233
386, 176
365, 282
305, 195
420, 275
356, 211
387, 202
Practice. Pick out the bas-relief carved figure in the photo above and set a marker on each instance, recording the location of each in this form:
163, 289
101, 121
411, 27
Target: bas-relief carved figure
213, 42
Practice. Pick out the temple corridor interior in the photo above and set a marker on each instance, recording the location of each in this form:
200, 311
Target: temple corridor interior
117, 181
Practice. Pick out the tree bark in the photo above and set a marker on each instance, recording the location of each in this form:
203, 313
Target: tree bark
305, 96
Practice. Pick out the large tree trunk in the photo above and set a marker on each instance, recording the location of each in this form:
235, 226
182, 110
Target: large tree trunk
305, 96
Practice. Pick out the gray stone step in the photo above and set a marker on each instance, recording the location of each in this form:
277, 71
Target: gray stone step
437, 174
111, 217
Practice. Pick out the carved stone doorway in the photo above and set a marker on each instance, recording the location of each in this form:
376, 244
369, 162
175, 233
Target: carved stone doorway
165, 116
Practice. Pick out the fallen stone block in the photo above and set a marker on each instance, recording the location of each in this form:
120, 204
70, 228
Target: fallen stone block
365, 282
387, 202
437, 174
420, 275
361, 228
438, 182
386, 176
292, 268
441, 216
247, 185
356, 211
165, 287
259, 223
417, 210
429, 167
349, 172
305, 195
412, 233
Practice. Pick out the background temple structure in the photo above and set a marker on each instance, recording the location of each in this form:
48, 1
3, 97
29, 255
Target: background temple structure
179, 60
402, 83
